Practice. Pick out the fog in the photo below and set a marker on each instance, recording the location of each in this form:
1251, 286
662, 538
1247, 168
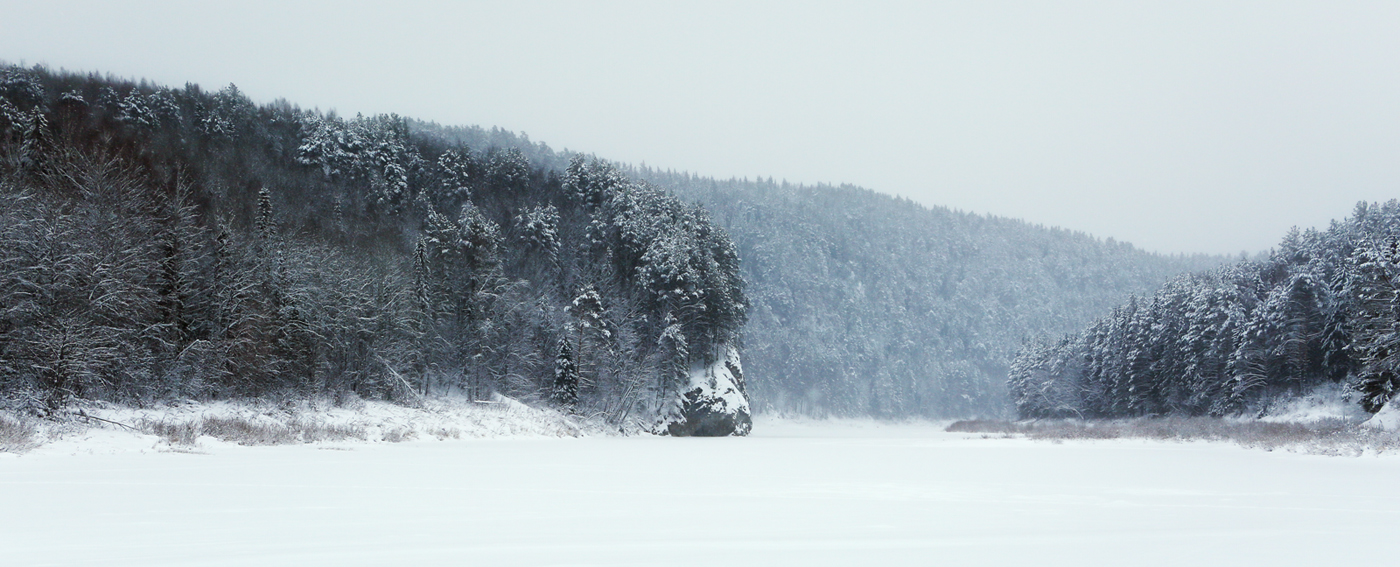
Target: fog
1178, 126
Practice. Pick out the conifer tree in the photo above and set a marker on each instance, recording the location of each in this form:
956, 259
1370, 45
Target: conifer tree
566, 377
263, 224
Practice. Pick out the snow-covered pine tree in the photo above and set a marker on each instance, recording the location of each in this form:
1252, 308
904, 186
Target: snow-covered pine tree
1375, 280
564, 390
36, 149
455, 167
263, 223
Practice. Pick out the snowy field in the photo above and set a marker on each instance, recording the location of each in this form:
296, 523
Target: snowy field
795, 493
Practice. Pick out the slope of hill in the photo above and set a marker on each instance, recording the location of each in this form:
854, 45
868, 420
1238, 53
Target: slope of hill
863, 303
163, 243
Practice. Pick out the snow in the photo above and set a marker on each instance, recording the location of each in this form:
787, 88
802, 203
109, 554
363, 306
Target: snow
437, 417
717, 382
713, 402
1388, 419
1326, 402
1333, 402
794, 493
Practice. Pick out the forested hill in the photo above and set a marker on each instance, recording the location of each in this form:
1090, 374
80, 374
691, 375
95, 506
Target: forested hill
1322, 310
867, 304
160, 243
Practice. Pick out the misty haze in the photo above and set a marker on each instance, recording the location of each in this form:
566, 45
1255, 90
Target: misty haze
765, 284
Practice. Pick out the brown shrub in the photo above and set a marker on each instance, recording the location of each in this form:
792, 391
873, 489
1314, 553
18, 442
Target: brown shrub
17, 434
247, 431
399, 435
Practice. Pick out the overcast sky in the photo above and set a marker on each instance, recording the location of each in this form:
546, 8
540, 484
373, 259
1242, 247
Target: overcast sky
1178, 126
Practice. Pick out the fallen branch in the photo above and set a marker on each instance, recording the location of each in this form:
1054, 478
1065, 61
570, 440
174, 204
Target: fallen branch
84, 415
403, 380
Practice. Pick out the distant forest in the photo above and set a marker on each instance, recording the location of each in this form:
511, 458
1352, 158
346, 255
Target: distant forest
1322, 310
868, 304
163, 243
167, 243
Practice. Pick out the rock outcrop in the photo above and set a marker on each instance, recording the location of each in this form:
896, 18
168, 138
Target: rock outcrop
714, 404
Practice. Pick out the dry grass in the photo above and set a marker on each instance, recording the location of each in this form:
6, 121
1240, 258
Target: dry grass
1327, 437
181, 425
444, 433
399, 434
17, 434
249, 431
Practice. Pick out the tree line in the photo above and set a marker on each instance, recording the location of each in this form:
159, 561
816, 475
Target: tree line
1322, 309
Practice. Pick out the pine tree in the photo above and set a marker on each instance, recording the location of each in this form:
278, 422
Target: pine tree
37, 146
424, 320
456, 170
264, 224
1376, 285
566, 377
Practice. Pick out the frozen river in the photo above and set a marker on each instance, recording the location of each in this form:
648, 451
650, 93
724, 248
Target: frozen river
793, 494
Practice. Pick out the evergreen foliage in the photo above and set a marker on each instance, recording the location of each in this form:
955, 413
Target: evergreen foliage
1323, 308
867, 304
271, 249
565, 391
164, 243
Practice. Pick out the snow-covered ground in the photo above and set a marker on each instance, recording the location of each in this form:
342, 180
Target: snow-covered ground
794, 493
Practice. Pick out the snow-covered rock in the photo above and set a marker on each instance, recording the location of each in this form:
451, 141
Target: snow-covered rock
1388, 419
714, 404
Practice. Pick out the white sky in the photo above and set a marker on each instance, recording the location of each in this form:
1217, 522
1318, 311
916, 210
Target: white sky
1178, 126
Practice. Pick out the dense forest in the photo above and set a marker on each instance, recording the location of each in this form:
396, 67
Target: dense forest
160, 243
867, 304
175, 243
1322, 310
